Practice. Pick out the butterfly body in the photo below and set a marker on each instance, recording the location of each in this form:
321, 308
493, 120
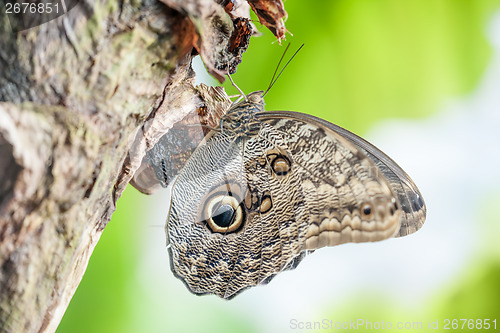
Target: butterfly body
269, 186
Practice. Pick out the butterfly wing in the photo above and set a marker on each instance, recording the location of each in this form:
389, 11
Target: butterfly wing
167, 157
201, 259
347, 199
246, 208
409, 197
230, 176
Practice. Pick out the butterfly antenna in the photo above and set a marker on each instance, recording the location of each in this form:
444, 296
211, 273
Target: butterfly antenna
234, 85
277, 67
273, 80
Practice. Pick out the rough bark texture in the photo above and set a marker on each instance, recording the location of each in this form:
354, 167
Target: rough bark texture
82, 98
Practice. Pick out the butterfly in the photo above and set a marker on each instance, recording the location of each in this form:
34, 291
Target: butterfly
267, 187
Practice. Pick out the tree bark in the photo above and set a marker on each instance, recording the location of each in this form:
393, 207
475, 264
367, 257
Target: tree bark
82, 97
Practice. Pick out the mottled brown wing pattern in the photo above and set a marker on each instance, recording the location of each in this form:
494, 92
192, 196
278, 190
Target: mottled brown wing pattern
347, 199
273, 230
292, 199
276, 208
256, 195
202, 260
410, 199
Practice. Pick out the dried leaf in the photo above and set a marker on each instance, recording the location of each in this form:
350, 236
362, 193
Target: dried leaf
213, 28
272, 14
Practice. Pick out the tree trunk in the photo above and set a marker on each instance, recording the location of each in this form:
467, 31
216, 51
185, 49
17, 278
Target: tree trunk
82, 97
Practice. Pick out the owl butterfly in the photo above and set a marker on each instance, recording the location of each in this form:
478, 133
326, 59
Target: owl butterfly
265, 188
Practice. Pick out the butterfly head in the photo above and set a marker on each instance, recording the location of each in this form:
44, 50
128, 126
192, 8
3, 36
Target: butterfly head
256, 97
252, 102
240, 118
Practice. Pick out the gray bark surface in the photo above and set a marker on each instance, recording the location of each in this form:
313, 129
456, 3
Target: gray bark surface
82, 97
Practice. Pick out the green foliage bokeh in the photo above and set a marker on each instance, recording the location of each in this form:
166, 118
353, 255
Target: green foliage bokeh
365, 60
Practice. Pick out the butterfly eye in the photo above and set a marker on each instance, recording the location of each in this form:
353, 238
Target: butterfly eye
255, 97
225, 214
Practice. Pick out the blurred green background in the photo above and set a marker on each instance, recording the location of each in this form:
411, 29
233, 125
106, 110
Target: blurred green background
363, 61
